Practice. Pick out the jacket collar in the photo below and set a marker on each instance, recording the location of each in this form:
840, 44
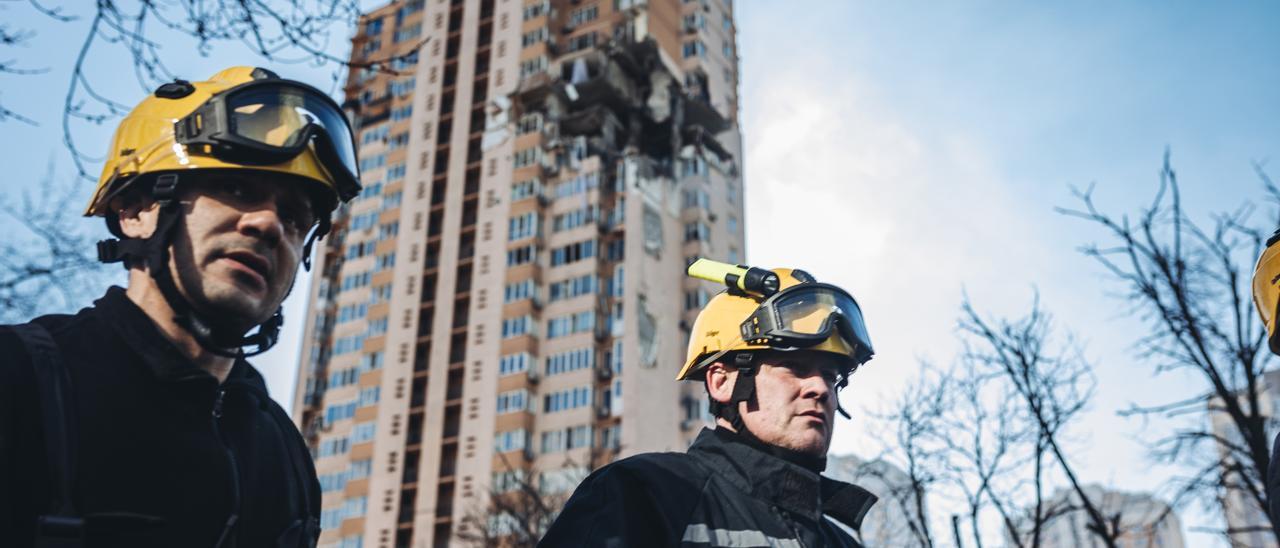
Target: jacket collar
792, 487
160, 356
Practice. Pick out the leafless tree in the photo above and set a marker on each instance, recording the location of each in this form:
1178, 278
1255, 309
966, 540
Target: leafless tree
983, 449
278, 31
1053, 384
519, 509
1190, 284
46, 261
915, 422
992, 433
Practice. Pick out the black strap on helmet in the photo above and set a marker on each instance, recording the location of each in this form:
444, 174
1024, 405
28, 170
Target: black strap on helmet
744, 390
154, 252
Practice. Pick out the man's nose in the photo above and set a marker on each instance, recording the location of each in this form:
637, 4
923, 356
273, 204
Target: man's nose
262, 220
815, 386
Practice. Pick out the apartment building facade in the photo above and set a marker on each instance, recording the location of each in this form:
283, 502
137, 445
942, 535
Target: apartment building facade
505, 301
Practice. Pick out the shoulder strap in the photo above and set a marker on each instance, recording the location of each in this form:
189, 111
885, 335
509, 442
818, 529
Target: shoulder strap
63, 524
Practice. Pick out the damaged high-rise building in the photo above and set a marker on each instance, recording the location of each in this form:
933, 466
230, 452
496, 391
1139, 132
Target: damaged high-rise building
505, 304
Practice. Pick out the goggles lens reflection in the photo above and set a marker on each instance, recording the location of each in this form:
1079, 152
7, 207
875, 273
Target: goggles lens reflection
279, 116
813, 311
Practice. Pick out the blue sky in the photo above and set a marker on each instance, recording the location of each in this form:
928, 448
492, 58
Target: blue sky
911, 151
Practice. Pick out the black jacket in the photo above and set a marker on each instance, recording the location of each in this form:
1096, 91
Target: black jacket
722, 492
159, 442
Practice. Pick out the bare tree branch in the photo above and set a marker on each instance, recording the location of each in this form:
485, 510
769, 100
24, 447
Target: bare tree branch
1190, 284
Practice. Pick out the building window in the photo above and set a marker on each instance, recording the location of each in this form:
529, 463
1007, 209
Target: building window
529, 67
343, 377
577, 185
583, 15
528, 157
407, 33
572, 287
374, 135
525, 189
519, 291
339, 411
537, 9
694, 48
509, 480
333, 446
581, 42
512, 401
573, 219
363, 432
514, 363
529, 123
522, 255
369, 396
570, 324
515, 327
695, 299
573, 252
564, 400
511, 440
611, 437
401, 113
522, 226
399, 140
359, 469
696, 198
697, 231
694, 22
572, 360
535, 36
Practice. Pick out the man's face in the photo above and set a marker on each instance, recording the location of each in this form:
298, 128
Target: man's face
236, 250
795, 401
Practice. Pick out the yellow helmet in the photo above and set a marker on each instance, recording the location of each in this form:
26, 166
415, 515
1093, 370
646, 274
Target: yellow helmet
1266, 289
240, 118
772, 309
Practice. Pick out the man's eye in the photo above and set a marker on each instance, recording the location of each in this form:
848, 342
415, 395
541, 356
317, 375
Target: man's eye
234, 190
299, 218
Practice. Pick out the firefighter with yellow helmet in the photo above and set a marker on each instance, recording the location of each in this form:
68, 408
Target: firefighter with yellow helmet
1266, 299
138, 421
772, 352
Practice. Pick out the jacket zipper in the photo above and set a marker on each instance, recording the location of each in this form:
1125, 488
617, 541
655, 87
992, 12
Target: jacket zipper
215, 417
790, 525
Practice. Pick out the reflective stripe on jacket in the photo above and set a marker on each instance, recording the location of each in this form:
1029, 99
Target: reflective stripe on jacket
722, 492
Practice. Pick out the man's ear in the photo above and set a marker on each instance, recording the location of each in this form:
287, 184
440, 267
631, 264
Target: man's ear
720, 380
138, 219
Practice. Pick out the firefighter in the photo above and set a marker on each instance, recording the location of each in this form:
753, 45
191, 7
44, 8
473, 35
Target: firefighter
138, 421
772, 352
1266, 298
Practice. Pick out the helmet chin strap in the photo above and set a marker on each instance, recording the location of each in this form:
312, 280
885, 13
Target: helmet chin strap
154, 251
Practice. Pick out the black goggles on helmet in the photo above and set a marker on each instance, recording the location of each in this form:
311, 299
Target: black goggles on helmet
807, 314
271, 121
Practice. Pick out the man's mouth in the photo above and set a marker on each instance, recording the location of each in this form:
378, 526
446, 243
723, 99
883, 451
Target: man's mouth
252, 262
822, 417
